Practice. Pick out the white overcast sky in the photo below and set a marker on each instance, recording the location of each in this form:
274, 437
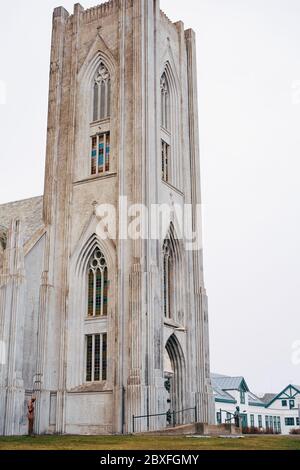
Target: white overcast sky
248, 74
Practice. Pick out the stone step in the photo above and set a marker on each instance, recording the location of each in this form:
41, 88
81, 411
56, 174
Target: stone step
200, 429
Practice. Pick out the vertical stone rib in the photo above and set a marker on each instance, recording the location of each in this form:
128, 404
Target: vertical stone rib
44, 298
204, 392
66, 234
12, 387
60, 17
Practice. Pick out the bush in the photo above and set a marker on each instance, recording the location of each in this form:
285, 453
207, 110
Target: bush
256, 430
253, 430
295, 431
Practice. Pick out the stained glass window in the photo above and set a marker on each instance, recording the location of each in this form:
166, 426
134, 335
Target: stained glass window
89, 357
94, 155
96, 357
104, 356
100, 153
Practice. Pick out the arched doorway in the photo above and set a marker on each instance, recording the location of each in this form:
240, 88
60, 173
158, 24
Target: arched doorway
175, 382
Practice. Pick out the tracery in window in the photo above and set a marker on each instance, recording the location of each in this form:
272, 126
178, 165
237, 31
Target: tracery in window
101, 93
165, 102
97, 285
168, 278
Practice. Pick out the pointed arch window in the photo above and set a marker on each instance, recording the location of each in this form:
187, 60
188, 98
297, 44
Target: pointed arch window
172, 277
100, 137
101, 93
165, 102
97, 285
165, 128
168, 266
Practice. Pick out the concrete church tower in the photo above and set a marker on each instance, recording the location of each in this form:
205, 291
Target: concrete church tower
119, 327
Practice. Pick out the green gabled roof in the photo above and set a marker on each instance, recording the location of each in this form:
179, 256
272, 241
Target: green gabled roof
283, 395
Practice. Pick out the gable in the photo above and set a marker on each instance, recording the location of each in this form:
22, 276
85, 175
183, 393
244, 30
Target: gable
290, 392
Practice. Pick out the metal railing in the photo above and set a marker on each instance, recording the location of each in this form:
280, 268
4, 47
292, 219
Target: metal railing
170, 417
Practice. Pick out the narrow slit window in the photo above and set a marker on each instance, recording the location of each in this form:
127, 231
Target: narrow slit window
94, 155
165, 151
89, 357
104, 356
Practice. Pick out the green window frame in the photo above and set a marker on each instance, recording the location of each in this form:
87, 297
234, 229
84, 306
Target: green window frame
260, 421
283, 402
278, 425
292, 404
267, 422
252, 421
242, 397
289, 421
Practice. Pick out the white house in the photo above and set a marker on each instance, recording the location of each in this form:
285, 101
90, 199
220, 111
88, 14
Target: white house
277, 413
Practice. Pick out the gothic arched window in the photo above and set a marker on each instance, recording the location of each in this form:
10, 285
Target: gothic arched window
101, 94
97, 285
96, 343
100, 140
165, 127
172, 277
165, 102
168, 264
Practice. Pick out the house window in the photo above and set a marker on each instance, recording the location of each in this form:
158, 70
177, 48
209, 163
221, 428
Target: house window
101, 94
298, 421
289, 421
260, 421
242, 396
271, 422
228, 417
165, 154
97, 285
100, 153
278, 425
219, 417
96, 357
252, 421
267, 422
284, 402
292, 404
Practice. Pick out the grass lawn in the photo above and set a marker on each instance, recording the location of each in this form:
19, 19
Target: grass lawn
148, 443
